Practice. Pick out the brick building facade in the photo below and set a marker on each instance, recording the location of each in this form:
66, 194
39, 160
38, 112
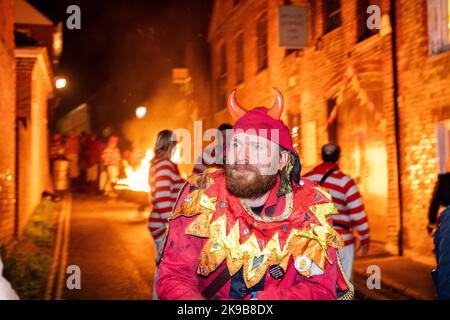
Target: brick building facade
34, 88
7, 122
424, 109
342, 88
35, 38
26, 85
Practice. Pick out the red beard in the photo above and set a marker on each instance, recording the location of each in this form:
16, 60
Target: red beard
241, 186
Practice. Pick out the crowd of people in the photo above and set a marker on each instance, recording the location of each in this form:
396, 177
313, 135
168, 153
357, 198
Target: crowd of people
83, 153
93, 163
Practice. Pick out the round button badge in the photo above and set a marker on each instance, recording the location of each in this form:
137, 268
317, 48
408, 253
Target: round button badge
302, 264
276, 271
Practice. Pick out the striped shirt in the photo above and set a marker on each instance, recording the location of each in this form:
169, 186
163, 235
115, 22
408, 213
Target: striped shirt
348, 201
56, 149
111, 156
165, 183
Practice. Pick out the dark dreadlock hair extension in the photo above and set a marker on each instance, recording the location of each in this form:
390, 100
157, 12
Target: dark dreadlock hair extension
290, 173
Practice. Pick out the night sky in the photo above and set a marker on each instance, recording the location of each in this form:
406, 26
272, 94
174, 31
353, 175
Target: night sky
124, 52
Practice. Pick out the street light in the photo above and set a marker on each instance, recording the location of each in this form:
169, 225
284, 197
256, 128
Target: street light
60, 83
141, 112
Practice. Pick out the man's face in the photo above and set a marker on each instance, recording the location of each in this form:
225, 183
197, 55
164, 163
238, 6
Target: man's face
252, 165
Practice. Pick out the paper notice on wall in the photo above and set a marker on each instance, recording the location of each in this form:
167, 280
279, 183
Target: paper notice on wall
293, 31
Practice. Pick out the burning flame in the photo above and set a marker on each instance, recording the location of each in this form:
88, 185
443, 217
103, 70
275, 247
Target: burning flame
137, 180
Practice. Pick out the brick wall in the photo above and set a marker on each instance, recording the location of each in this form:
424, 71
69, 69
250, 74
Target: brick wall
34, 88
7, 122
310, 77
424, 87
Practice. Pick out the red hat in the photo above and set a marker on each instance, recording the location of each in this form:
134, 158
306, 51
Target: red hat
262, 121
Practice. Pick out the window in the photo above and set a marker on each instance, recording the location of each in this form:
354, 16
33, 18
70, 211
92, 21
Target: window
332, 120
223, 60
222, 78
262, 42
362, 16
438, 25
332, 11
294, 125
443, 145
240, 59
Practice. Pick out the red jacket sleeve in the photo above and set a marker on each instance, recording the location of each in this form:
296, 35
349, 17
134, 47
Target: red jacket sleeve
317, 287
177, 276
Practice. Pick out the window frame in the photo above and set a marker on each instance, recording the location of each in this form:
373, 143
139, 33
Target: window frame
221, 81
363, 32
438, 17
328, 15
262, 38
240, 58
332, 126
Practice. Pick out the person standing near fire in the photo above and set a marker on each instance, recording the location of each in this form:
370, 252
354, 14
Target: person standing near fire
348, 202
111, 163
137, 154
165, 183
93, 156
72, 152
209, 158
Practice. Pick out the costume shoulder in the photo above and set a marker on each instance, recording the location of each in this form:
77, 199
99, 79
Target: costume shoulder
320, 204
314, 188
196, 202
318, 201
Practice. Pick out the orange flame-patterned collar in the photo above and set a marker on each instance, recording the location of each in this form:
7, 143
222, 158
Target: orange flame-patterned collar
299, 229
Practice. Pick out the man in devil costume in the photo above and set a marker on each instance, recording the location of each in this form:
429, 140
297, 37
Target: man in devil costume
253, 230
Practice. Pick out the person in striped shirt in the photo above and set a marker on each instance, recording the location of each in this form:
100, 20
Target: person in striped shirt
165, 183
348, 201
111, 159
208, 158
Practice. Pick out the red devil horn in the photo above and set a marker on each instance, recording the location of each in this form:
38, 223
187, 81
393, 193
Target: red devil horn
277, 108
235, 109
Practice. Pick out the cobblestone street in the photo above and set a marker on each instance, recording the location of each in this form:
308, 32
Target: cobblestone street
113, 249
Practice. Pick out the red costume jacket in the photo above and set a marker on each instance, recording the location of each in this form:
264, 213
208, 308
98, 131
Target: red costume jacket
288, 252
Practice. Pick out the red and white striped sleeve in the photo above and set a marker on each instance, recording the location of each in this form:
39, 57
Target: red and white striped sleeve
165, 184
356, 212
106, 155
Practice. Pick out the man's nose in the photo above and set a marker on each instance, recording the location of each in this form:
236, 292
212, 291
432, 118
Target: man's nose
239, 155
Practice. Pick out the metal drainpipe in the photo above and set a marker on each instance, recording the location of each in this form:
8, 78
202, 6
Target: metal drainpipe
397, 121
16, 178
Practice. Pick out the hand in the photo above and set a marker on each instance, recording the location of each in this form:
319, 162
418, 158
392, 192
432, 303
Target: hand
363, 249
430, 228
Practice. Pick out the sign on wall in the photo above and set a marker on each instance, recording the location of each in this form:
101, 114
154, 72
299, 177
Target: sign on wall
293, 22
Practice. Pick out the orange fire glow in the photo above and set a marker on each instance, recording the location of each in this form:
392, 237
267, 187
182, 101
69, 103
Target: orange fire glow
137, 180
